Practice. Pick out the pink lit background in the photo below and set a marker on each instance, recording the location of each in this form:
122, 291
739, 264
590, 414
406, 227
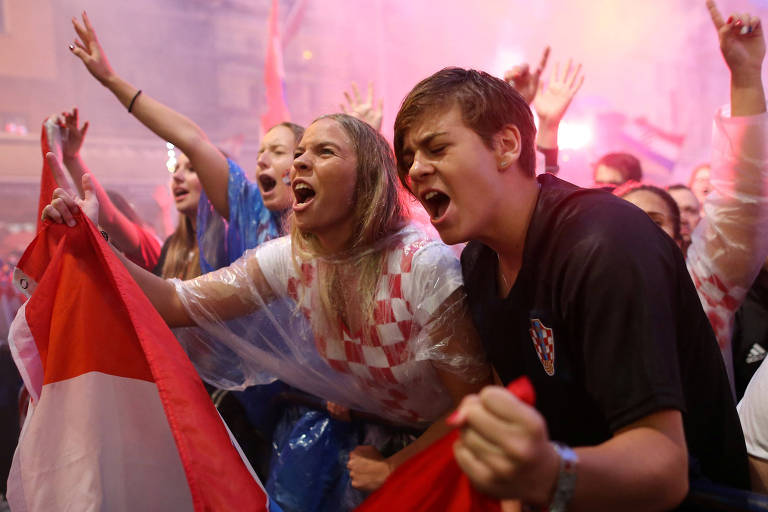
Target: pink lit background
652, 68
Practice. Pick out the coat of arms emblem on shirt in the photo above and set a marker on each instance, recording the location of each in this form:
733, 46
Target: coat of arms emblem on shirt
544, 343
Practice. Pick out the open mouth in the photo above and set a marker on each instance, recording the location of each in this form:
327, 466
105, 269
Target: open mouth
303, 193
436, 203
180, 193
267, 183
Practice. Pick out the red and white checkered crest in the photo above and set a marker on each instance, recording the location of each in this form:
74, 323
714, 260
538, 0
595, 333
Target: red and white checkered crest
544, 343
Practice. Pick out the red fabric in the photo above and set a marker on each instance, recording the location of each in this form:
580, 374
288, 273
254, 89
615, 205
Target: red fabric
148, 251
82, 296
431, 481
47, 181
277, 110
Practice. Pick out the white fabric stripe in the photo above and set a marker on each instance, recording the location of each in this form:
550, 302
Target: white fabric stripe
25, 354
98, 442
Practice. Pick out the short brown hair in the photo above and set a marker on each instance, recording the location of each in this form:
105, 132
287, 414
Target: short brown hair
628, 166
487, 105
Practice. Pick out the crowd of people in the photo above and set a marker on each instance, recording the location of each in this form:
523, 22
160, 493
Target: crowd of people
317, 301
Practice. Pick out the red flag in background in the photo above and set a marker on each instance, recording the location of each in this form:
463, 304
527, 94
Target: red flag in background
274, 75
48, 142
431, 481
119, 418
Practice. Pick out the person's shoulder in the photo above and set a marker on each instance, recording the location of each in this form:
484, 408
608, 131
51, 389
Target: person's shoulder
571, 214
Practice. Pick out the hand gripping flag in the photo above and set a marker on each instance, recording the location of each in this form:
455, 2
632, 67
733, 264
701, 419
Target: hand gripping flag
431, 481
119, 419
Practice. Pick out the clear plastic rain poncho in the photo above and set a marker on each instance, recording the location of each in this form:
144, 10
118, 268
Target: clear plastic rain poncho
264, 317
730, 244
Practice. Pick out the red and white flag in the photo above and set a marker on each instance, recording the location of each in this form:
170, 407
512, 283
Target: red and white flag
274, 75
119, 419
431, 480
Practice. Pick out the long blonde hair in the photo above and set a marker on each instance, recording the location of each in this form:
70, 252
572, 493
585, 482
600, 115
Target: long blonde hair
182, 258
379, 213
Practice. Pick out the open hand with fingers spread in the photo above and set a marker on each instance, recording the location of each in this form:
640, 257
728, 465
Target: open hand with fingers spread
72, 135
525, 81
64, 205
87, 48
553, 99
368, 110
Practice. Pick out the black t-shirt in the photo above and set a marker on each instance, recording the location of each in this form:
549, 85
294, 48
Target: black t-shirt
750, 333
605, 321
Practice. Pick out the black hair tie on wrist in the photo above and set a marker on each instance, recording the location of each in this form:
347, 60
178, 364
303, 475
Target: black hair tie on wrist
130, 105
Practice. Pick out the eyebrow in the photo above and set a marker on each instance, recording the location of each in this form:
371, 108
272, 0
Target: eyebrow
327, 143
426, 139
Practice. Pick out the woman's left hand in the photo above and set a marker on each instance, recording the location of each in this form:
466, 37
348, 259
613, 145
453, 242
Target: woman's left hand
368, 469
64, 205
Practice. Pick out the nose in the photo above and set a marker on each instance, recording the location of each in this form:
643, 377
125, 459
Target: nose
263, 161
178, 175
301, 163
419, 168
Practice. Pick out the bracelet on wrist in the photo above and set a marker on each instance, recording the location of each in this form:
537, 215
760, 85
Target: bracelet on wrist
566, 478
133, 100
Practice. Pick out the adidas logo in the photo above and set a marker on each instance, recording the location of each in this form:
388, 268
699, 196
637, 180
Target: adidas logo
756, 354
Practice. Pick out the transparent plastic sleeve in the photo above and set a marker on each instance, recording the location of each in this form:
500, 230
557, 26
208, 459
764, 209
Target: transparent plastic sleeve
263, 318
730, 244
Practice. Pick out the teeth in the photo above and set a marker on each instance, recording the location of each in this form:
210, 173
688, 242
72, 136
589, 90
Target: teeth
430, 195
303, 186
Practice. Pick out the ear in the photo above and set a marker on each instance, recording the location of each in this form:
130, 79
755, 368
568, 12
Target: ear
508, 145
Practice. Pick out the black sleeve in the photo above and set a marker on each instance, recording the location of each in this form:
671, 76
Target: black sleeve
550, 159
618, 294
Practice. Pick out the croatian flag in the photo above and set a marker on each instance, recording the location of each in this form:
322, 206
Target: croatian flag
431, 480
274, 75
119, 420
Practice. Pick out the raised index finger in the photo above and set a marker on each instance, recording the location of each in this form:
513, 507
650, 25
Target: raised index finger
714, 13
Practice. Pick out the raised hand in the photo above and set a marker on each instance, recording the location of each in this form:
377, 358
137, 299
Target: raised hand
367, 110
741, 41
64, 205
553, 99
87, 48
524, 81
72, 135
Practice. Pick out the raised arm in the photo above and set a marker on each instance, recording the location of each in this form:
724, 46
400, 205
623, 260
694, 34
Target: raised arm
209, 163
213, 291
126, 234
552, 101
525, 81
730, 244
743, 47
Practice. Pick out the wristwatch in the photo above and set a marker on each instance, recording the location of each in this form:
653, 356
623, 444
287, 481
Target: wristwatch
566, 478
